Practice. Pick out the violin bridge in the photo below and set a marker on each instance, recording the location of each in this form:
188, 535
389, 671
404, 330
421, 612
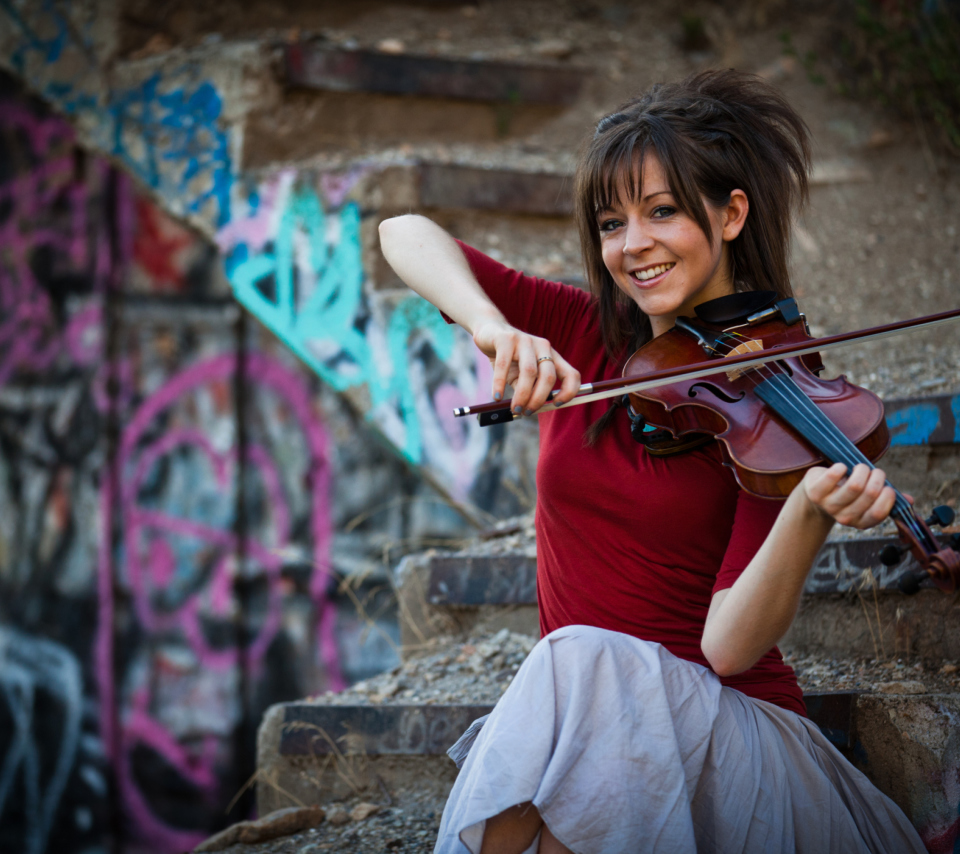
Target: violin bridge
750, 346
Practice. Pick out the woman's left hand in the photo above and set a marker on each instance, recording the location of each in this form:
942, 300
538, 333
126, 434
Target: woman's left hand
861, 499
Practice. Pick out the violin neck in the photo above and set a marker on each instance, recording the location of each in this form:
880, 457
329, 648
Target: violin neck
779, 391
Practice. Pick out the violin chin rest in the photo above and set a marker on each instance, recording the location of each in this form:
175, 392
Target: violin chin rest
735, 308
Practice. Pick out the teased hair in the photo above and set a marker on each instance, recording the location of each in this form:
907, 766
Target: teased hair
713, 132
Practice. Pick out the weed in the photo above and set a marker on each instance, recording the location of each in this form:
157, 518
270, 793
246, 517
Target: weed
907, 55
808, 59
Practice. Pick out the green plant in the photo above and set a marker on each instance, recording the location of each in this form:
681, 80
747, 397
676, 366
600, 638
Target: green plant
907, 54
808, 59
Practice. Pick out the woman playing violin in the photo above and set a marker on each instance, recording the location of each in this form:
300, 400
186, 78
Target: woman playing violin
656, 713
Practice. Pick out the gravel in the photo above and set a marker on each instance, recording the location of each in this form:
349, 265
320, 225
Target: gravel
479, 670
817, 674
474, 672
391, 830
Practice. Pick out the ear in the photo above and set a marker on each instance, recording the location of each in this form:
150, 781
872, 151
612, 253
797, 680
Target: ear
734, 215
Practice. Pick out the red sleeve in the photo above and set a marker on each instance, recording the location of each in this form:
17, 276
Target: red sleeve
550, 310
752, 521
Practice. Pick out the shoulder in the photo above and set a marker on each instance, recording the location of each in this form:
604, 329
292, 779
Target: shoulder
490, 271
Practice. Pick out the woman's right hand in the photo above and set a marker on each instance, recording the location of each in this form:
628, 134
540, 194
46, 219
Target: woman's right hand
526, 362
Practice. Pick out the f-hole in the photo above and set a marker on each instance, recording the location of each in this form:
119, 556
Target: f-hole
716, 392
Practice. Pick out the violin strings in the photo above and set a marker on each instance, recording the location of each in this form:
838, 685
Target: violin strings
828, 438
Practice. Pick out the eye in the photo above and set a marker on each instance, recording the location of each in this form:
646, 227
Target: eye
610, 224
663, 211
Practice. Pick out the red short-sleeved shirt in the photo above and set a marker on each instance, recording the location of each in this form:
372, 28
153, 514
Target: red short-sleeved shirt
627, 541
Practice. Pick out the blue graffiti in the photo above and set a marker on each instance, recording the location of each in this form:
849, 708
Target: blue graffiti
50, 48
178, 128
315, 301
955, 409
913, 425
306, 286
34, 672
170, 138
412, 317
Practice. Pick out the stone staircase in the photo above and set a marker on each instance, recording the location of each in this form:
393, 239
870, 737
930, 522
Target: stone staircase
470, 606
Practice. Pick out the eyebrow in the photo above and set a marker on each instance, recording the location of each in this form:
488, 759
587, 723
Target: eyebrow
644, 199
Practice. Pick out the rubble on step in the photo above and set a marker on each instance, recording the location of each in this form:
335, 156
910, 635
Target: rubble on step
477, 671
817, 674
365, 829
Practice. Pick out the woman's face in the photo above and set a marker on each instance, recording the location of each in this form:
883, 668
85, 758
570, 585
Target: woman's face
659, 257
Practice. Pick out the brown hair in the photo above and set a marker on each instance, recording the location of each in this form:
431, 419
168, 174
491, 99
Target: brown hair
713, 132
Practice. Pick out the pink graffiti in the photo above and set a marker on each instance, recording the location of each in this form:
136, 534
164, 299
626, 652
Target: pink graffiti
335, 187
194, 766
30, 334
448, 397
257, 228
149, 566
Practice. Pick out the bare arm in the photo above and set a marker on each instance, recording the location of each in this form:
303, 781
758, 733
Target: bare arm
432, 264
748, 619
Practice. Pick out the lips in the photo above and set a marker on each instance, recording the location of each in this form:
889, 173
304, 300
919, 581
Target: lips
651, 275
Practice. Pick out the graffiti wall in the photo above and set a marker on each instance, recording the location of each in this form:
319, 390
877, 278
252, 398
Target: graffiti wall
165, 513
293, 257
290, 241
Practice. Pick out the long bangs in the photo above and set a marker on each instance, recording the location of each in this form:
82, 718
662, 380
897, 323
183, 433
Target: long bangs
612, 169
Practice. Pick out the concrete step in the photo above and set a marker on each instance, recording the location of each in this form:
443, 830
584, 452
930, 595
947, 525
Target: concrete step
316, 64
851, 606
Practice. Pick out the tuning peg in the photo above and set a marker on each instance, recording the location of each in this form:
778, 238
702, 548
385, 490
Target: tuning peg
941, 516
890, 555
909, 582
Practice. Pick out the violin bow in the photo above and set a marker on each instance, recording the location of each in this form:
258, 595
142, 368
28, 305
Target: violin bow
604, 389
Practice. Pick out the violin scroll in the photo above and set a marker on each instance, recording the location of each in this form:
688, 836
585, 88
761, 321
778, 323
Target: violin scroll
938, 562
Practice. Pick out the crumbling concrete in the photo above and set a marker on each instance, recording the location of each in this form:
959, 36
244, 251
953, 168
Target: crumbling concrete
910, 748
881, 625
283, 780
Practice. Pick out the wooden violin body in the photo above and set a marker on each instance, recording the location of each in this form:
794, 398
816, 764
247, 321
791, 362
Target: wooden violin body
768, 457
775, 421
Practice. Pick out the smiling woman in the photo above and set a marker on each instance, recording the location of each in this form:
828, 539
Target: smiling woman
658, 255
656, 713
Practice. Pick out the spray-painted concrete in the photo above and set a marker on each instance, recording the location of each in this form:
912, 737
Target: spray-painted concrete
290, 240
168, 562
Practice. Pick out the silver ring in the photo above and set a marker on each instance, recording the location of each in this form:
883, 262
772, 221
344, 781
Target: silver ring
544, 359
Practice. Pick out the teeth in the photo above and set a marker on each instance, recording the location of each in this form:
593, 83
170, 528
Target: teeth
643, 275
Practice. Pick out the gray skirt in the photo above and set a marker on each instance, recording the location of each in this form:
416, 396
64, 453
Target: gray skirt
623, 747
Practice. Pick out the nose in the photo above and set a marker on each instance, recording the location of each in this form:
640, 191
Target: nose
637, 239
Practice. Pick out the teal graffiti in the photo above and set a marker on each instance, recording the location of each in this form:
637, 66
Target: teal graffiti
317, 300
955, 409
306, 286
414, 315
913, 425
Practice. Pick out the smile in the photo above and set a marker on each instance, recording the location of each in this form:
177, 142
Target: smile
649, 273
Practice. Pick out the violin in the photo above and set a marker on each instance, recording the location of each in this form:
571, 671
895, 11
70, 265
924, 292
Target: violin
745, 373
